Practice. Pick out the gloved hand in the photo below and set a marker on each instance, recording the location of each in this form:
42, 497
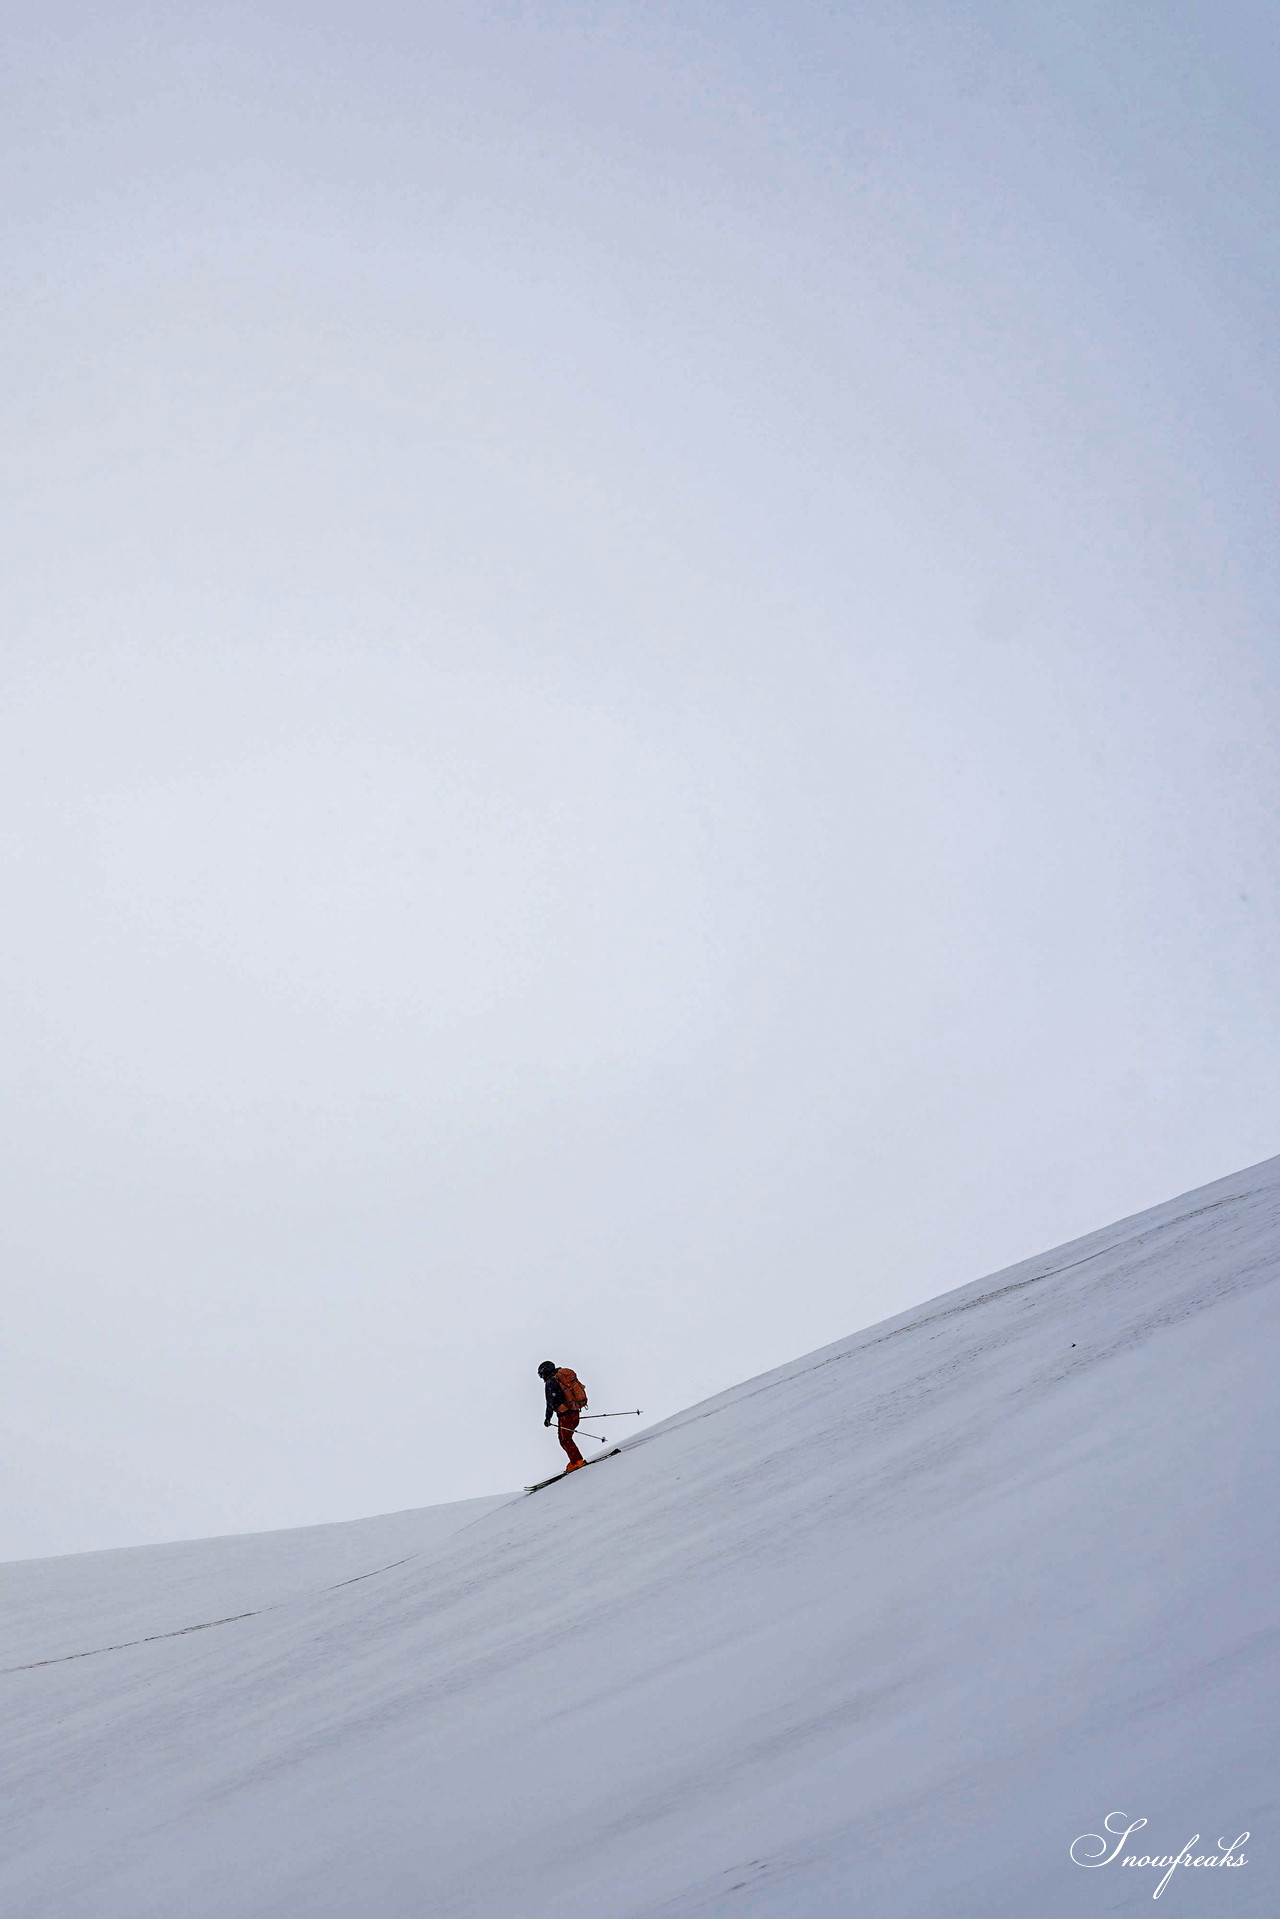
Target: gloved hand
547, 1420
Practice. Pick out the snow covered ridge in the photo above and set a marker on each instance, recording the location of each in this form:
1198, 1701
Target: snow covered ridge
890, 1631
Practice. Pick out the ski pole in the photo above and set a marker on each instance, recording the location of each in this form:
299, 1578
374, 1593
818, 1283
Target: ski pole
634, 1412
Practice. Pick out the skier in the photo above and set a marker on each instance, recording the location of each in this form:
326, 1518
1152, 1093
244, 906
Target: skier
566, 1397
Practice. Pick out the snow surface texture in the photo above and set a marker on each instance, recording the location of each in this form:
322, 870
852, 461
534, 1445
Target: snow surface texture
878, 1633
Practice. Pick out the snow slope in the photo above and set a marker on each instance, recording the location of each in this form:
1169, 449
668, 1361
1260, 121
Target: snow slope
54, 1608
878, 1633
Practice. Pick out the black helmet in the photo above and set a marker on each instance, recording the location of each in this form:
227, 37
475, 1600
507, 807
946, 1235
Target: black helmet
546, 1369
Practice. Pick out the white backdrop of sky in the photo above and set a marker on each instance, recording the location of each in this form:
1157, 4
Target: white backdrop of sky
638, 704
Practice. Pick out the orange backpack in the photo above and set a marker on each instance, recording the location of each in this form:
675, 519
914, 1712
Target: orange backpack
575, 1393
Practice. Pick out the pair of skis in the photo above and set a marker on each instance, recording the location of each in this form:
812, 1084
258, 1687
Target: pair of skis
593, 1461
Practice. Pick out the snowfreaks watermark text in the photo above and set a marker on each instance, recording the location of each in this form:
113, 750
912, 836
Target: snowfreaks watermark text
1092, 1849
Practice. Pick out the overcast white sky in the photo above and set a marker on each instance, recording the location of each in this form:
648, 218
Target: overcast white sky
639, 704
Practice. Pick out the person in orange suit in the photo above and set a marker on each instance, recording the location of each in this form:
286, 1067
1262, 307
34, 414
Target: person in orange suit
566, 1398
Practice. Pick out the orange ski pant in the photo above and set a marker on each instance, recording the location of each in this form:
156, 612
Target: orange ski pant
568, 1423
